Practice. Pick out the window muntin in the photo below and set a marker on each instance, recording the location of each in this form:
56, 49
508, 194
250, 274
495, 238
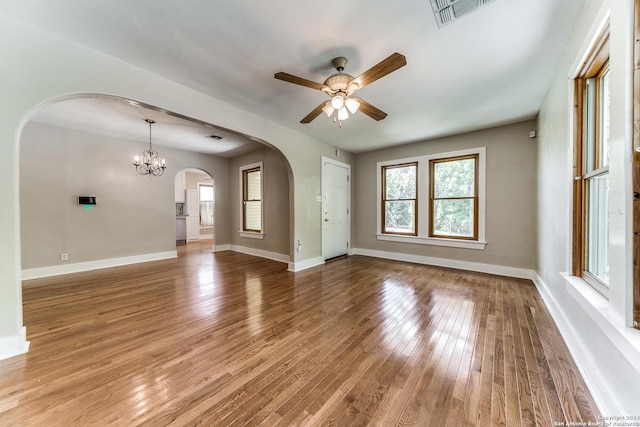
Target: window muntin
453, 201
252, 199
399, 199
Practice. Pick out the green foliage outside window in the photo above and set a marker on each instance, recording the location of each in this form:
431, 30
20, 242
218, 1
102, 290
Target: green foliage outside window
400, 199
453, 197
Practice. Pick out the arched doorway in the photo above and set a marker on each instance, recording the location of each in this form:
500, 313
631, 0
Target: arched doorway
135, 218
195, 206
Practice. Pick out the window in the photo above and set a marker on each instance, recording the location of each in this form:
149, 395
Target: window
205, 193
399, 205
435, 199
453, 197
251, 190
591, 189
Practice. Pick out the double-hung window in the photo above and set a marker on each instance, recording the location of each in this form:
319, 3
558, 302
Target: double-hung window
251, 192
591, 190
453, 198
434, 199
399, 198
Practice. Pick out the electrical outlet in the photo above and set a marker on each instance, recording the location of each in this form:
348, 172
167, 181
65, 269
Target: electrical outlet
64, 256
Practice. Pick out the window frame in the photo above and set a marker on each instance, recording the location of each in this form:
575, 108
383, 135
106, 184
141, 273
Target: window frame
588, 162
432, 197
635, 174
422, 226
208, 184
244, 171
384, 200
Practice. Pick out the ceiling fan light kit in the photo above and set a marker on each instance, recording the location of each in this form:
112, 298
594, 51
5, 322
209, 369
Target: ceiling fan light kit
341, 86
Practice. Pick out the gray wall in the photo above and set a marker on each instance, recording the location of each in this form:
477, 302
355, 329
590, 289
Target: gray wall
276, 203
510, 196
135, 215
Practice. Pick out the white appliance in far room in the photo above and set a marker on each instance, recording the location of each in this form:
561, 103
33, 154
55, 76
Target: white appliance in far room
193, 212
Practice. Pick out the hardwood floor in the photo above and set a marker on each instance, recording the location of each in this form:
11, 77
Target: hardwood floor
231, 339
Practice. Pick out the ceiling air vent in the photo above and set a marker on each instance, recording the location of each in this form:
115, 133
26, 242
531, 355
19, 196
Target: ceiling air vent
447, 11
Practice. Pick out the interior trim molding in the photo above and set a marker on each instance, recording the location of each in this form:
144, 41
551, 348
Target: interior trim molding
304, 264
500, 270
14, 345
599, 387
68, 268
274, 256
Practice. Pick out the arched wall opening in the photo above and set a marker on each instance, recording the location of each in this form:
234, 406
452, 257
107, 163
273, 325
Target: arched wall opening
135, 217
52, 69
195, 206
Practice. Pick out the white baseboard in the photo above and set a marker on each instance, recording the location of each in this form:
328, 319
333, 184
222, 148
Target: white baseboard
499, 270
220, 248
275, 256
304, 264
600, 388
56, 270
14, 345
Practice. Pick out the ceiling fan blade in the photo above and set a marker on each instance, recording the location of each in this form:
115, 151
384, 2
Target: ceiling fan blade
315, 113
370, 110
299, 81
380, 70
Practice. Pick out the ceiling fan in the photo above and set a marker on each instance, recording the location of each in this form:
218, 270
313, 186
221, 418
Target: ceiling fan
340, 86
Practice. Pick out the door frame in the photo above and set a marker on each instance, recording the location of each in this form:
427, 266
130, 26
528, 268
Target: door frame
324, 162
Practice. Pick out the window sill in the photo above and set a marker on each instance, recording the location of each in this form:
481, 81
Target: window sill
626, 339
252, 235
452, 243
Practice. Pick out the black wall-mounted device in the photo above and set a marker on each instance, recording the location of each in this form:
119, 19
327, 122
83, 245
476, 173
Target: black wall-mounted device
87, 200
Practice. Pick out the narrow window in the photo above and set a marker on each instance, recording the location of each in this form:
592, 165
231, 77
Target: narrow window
252, 199
206, 205
591, 189
399, 199
453, 197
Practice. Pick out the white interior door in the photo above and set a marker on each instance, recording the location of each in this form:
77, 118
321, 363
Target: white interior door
335, 208
193, 221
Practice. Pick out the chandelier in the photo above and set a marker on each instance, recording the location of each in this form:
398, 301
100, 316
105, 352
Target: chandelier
149, 163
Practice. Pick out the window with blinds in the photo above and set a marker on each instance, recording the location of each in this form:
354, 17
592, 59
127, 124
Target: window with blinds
252, 198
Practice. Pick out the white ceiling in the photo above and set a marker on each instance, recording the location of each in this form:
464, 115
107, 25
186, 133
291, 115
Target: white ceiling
491, 67
125, 119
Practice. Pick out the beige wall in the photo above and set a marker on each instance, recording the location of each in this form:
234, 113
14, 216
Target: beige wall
510, 196
191, 180
135, 215
276, 203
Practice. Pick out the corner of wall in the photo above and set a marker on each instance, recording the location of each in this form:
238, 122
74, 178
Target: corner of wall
14, 345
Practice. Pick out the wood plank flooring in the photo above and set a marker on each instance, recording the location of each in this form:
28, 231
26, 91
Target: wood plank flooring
228, 339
